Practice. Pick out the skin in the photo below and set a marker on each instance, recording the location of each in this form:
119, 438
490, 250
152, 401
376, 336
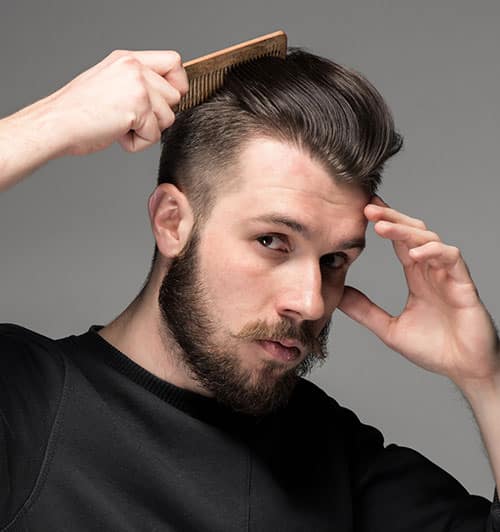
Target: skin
127, 98
271, 283
255, 270
281, 276
253, 279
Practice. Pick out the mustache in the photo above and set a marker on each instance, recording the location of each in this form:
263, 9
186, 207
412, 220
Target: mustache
260, 330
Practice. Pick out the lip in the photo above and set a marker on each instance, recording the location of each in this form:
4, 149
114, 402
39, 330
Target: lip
286, 350
289, 342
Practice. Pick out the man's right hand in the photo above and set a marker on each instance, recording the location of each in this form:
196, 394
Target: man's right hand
127, 97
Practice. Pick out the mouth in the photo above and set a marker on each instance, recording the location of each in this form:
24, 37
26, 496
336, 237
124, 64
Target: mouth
285, 349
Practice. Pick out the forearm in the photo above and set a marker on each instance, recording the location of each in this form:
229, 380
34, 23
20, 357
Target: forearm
484, 398
28, 139
115, 100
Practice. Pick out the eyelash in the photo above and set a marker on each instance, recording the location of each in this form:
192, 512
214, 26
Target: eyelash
270, 235
285, 240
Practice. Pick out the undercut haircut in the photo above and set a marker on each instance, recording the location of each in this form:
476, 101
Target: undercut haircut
327, 110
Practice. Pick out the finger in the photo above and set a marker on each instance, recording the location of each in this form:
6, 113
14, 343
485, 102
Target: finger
377, 200
402, 250
167, 64
411, 236
162, 97
361, 309
157, 83
145, 133
127, 142
131, 143
439, 255
375, 213
165, 117
177, 77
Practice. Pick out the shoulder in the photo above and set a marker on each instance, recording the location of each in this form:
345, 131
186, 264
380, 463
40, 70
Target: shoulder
26, 356
32, 382
32, 373
310, 395
359, 439
13, 334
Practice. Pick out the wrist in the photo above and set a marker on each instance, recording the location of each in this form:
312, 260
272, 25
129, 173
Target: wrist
480, 392
29, 139
40, 129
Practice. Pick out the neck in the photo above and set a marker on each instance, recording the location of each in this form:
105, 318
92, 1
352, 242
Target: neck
139, 333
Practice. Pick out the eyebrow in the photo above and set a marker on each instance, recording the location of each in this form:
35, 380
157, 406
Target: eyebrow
297, 227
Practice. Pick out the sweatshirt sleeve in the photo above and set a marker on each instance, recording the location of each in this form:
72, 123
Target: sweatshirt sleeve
397, 489
494, 517
31, 384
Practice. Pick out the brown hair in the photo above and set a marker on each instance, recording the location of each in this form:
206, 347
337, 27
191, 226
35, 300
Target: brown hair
330, 111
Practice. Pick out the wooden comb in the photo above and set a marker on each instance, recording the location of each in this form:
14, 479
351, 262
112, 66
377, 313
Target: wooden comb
206, 74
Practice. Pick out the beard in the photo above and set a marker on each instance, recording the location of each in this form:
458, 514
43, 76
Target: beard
192, 324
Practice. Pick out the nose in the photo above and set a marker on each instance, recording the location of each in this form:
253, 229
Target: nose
301, 296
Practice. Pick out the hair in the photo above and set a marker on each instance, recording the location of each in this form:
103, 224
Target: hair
330, 111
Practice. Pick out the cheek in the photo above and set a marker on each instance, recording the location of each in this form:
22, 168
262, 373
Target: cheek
236, 280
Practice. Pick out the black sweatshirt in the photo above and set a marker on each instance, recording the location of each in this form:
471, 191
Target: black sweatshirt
91, 441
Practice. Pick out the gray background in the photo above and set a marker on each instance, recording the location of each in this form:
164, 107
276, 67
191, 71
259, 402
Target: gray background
75, 238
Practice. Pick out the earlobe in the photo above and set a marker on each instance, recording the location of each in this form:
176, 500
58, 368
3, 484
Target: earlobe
171, 218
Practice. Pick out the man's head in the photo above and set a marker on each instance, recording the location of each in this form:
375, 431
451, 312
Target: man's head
258, 214
328, 110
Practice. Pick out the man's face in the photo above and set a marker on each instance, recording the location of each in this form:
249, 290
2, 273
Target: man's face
250, 301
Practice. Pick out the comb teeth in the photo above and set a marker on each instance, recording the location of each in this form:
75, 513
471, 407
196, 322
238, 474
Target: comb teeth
207, 74
202, 87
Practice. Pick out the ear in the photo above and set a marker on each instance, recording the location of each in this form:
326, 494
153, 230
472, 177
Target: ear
171, 219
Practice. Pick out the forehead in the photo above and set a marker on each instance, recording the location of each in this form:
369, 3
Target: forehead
276, 177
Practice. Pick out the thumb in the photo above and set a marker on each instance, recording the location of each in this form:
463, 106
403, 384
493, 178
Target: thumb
361, 309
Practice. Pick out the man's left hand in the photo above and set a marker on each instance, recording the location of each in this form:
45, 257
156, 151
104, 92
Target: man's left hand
444, 326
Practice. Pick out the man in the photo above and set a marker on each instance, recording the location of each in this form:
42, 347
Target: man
189, 411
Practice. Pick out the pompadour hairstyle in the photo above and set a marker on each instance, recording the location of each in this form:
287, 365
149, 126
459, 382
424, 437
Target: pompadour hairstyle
330, 111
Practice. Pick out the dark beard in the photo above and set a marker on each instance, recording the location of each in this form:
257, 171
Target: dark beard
185, 309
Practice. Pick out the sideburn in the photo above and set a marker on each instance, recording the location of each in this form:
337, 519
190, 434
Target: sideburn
178, 290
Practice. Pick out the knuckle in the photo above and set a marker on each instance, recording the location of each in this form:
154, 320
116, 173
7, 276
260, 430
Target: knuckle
170, 119
434, 246
420, 224
123, 58
166, 119
117, 53
176, 95
128, 60
131, 119
455, 252
139, 93
175, 57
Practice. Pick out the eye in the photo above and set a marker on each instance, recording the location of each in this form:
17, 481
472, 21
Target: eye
273, 242
335, 261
